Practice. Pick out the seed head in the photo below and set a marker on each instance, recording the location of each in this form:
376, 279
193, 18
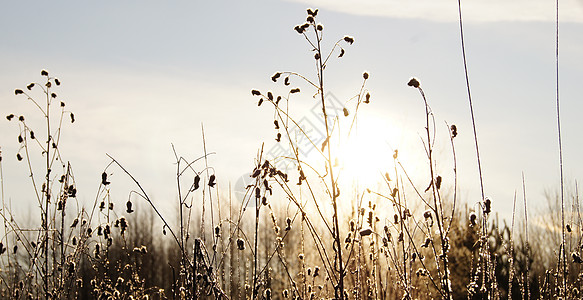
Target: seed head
275, 76
10, 117
453, 131
427, 214
312, 12
104, 179
270, 96
341, 52
319, 27
349, 39
299, 29
577, 257
487, 206
293, 91
345, 110
212, 180
365, 75
438, 182
18, 92
240, 244
367, 98
310, 19
414, 83
365, 232
30, 86
57, 82
129, 209
255, 93
473, 218
44, 73
72, 118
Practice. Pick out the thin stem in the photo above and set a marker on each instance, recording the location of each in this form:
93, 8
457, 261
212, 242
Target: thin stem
563, 253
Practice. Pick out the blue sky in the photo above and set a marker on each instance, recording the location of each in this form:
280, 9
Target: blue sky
141, 75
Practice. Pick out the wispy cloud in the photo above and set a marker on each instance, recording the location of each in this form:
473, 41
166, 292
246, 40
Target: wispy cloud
446, 11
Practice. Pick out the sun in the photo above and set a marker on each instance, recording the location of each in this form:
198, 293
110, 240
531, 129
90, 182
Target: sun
366, 154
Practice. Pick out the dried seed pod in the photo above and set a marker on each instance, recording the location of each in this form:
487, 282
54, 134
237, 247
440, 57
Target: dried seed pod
299, 29
365, 75
240, 244
212, 181
310, 19
367, 98
129, 209
293, 91
18, 92
57, 82
487, 206
75, 222
104, 179
30, 86
276, 123
319, 27
275, 76
44, 73
473, 218
341, 53
365, 232
286, 81
270, 96
278, 137
317, 56
438, 182
453, 131
414, 83
196, 182
72, 117
349, 39
427, 214
10, 117
345, 111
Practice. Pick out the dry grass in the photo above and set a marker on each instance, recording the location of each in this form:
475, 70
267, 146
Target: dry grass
295, 235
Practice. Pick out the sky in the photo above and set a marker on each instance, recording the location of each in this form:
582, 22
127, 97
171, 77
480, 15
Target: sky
142, 76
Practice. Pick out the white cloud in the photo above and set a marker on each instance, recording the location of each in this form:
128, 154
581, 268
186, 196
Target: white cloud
447, 11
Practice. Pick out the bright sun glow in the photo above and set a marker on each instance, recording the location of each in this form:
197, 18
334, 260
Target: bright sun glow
367, 153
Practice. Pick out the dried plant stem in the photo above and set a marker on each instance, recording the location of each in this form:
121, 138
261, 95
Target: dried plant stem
563, 258
334, 194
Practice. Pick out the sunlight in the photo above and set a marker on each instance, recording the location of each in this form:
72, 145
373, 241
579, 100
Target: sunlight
367, 153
